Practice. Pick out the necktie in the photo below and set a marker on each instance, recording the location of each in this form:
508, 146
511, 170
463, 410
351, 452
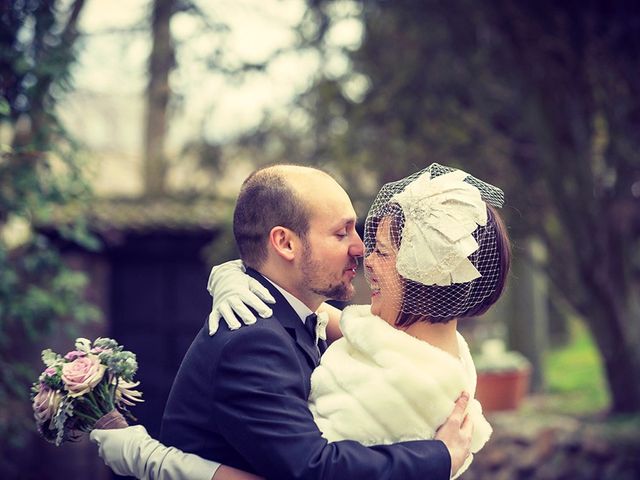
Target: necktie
310, 324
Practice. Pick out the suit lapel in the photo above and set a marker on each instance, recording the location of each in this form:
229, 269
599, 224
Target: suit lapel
290, 320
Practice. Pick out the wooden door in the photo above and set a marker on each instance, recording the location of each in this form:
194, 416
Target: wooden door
158, 303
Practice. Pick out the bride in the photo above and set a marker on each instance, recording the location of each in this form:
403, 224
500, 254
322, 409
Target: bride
436, 252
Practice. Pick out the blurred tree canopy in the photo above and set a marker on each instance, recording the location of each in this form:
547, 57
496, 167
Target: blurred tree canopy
172, 51
541, 98
39, 168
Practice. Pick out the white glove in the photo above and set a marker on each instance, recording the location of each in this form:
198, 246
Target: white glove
232, 291
131, 451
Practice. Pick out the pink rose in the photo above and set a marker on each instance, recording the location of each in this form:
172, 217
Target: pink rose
50, 371
45, 404
81, 375
72, 355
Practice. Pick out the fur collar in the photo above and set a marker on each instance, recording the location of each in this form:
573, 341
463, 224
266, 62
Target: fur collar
378, 385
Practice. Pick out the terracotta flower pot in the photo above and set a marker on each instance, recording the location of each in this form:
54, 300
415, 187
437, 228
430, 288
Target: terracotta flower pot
497, 391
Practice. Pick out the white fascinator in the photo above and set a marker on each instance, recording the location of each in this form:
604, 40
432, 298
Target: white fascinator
439, 223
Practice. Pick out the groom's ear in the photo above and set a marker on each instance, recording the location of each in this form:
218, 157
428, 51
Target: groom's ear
284, 242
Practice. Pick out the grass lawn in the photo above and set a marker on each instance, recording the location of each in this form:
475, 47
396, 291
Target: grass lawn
575, 379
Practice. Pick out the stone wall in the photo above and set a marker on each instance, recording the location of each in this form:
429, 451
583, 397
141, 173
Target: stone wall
557, 448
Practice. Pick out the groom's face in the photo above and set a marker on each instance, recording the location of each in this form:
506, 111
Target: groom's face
331, 247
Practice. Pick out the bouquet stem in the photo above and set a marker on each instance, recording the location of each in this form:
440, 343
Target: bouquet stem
111, 421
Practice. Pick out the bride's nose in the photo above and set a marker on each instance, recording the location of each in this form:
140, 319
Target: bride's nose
367, 262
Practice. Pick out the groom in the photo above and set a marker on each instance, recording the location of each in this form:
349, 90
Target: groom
240, 397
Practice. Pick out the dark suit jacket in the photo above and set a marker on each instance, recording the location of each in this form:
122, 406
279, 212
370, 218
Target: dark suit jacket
240, 398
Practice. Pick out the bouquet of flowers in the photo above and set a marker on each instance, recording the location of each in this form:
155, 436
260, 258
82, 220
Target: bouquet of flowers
90, 387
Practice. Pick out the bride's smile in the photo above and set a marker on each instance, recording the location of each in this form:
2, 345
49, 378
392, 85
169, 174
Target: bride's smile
383, 278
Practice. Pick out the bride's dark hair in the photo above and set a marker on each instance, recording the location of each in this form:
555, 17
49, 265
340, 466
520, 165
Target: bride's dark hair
494, 244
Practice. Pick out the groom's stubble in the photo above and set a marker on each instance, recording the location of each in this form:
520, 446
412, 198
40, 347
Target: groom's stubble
318, 279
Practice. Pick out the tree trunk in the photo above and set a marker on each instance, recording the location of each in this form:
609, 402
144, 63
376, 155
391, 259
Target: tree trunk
612, 313
619, 353
528, 330
161, 62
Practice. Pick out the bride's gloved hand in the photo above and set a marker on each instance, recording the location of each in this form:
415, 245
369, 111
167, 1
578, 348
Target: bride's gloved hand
131, 451
233, 291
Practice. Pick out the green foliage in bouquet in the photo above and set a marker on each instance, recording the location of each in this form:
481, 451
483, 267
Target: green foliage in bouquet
79, 388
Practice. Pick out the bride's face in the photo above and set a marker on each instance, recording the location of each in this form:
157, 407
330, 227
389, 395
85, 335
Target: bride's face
385, 283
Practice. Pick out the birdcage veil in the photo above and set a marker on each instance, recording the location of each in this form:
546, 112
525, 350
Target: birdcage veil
446, 255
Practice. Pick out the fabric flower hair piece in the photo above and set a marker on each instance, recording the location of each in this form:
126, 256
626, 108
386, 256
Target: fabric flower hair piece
441, 213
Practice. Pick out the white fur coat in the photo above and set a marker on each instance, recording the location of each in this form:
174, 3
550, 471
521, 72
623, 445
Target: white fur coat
378, 385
